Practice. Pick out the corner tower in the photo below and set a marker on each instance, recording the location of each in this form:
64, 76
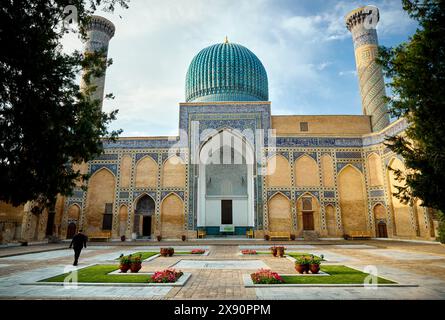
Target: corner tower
361, 23
99, 33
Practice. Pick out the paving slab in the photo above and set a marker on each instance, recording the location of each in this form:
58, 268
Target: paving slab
405, 255
221, 264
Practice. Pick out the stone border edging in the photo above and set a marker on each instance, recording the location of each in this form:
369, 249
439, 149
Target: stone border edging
179, 283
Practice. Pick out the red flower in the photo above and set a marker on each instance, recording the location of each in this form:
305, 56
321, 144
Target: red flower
165, 276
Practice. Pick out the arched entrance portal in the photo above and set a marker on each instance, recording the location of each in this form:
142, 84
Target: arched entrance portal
145, 208
225, 184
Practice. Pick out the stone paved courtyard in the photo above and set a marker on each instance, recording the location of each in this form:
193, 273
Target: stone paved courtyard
219, 275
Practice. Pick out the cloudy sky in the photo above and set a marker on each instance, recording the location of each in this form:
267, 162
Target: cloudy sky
304, 46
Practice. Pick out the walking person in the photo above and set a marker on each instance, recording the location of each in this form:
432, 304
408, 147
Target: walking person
78, 243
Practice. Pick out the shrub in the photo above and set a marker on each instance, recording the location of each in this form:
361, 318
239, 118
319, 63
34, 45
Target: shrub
315, 260
198, 251
265, 276
125, 259
248, 251
303, 260
165, 276
135, 259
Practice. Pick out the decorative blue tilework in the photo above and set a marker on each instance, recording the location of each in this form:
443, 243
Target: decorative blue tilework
341, 165
313, 155
368, 37
154, 156
318, 142
284, 154
377, 193
109, 156
270, 194
140, 143
124, 194
96, 167
178, 193
226, 72
168, 155
348, 155
215, 116
393, 130
77, 194
78, 202
136, 194
316, 194
329, 194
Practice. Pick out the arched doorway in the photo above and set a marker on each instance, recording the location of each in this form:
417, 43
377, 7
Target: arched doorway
382, 231
225, 183
145, 208
380, 219
71, 230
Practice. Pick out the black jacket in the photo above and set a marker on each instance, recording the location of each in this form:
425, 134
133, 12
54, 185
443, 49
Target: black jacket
79, 241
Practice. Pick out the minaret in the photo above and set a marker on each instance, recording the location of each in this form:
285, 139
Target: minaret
362, 22
99, 32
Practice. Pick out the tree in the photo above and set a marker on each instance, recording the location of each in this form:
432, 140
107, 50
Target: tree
46, 123
416, 70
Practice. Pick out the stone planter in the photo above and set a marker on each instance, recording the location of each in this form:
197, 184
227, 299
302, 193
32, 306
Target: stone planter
314, 268
124, 267
274, 251
171, 251
280, 252
302, 268
164, 252
135, 267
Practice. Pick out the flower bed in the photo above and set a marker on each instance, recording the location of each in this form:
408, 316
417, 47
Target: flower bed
165, 276
248, 251
338, 274
264, 276
198, 251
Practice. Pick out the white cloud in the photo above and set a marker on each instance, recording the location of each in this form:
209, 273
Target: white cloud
348, 73
156, 40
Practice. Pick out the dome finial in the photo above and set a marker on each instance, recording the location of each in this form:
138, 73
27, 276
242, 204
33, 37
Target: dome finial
226, 40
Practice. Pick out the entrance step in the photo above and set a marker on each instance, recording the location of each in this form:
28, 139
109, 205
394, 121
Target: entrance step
310, 235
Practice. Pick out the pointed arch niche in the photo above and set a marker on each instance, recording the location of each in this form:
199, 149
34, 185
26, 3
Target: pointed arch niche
352, 199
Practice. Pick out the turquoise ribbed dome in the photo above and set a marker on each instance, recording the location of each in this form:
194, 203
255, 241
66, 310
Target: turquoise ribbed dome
226, 72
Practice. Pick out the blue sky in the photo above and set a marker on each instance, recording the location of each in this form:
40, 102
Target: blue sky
304, 46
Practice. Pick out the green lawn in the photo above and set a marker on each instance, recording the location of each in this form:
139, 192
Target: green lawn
338, 275
99, 274
299, 254
145, 255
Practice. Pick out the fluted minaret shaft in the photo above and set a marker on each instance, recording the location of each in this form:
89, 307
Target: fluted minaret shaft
99, 32
361, 23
